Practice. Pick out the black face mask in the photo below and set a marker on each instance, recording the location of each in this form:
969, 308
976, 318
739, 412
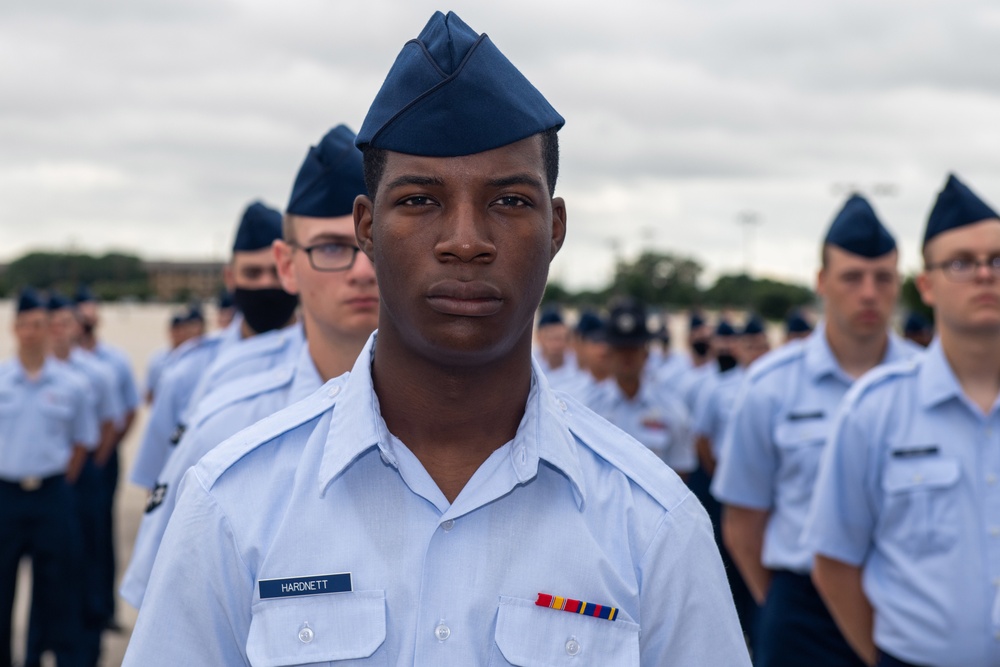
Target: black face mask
700, 347
726, 362
265, 309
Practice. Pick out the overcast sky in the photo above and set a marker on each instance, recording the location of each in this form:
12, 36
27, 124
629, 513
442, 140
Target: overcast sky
147, 125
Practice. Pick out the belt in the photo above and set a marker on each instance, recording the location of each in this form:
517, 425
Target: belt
31, 484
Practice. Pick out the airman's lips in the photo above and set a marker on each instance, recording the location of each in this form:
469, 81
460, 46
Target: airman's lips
363, 302
468, 299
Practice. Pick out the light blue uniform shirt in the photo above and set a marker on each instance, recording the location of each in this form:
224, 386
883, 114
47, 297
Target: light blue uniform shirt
42, 419
570, 506
669, 368
158, 361
103, 382
119, 362
771, 451
655, 418
909, 490
690, 383
715, 407
224, 412
174, 391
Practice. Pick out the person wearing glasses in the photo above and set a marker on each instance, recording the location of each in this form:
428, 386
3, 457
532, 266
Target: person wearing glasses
905, 521
783, 415
260, 334
318, 259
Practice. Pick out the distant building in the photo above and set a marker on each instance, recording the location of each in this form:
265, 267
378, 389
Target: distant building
173, 281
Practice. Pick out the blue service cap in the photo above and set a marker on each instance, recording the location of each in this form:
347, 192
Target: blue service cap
697, 321
858, 230
29, 299
548, 317
330, 177
83, 295
451, 92
956, 206
590, 326
177, 320
724, 329
916, 323
796, 323
753, 326
225, 299
627, 325
57, 302
194, 314
258, 229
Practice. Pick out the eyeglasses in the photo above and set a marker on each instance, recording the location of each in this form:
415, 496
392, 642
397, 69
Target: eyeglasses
963, 269
330, 256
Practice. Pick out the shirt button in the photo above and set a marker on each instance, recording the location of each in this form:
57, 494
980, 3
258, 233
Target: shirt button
448, 525
918, 478
442, 632
562, 405
995, 531
996, 581
991, 479
306, 634
334, 391
572, 646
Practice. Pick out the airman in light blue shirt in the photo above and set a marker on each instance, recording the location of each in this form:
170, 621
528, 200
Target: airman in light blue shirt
905, 520
441, 505
783, 416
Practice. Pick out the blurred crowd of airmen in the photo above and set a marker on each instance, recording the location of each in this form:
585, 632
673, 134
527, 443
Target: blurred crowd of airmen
442, 491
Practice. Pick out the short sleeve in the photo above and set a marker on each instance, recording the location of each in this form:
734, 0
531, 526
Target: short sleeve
748, 464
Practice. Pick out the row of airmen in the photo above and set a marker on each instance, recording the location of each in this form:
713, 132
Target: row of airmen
67, 399
851, 475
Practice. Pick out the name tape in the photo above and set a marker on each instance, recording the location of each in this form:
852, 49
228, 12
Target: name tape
319, 584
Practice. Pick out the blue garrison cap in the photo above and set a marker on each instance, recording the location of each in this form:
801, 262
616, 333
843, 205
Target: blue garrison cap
84, 295
916, 323
753, 326
177, 320
627, 325
956, 206
549, 316
57, 302
225, 299
330, 177
451, 92
795, 323
590, 326
696, 321
259, 227
29, 299
194, 314
858, 230
724, 329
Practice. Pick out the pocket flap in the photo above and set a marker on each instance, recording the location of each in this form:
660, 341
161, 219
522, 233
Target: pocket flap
316, 628
903, 476
532, 636
800, 433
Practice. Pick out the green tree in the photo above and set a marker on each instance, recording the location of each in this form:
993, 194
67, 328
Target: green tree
910, 298
659, 279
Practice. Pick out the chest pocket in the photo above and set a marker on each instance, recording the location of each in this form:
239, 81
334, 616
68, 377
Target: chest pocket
800, 447
57, 418
531, 636
921, 510
334, 630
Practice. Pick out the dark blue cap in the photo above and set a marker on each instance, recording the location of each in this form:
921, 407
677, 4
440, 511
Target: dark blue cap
548, 317
451, 92
725, 329
753, 326
177, 320
916, 323
627, 325
194, 314
590, 326
84, 295
330, 177
956, 206
225, 299
259, 227
858, 230
29, 299
796, 323
57, 302
697, 321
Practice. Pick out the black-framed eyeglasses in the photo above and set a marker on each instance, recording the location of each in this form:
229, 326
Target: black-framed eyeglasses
330, 256
963, 269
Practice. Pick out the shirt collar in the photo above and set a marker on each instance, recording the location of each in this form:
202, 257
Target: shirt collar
306, 379
936, 382
357, 425
820, 361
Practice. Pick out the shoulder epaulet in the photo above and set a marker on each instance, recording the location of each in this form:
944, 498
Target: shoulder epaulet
234, 448
788, 353
604, 439
880, 376
241, 389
